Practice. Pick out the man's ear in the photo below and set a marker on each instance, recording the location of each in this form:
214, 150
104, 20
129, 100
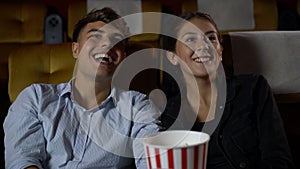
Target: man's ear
172, 58
125, 54
75, 49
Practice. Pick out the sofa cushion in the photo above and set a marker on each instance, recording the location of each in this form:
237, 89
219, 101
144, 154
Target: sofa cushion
39, 63
22, 21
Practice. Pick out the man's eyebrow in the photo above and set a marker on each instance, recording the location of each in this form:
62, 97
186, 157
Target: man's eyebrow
101, 31
95, 30
118, 34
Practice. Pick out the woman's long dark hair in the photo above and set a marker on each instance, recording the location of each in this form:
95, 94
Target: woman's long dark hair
173, 89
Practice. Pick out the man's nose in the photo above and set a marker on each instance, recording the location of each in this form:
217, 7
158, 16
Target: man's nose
105, 43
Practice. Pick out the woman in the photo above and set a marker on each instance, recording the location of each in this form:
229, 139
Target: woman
247, 132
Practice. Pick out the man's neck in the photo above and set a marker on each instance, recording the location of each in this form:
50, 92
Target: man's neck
90, 94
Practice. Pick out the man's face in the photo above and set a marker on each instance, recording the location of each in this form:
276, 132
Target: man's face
96, 51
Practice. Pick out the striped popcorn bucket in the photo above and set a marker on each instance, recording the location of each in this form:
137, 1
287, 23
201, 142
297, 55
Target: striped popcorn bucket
176, 149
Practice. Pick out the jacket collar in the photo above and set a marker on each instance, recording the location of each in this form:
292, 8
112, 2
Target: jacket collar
232, 87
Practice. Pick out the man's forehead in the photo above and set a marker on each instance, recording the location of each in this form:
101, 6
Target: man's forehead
100, 26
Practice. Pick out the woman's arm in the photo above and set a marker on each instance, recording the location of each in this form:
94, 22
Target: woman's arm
274, 146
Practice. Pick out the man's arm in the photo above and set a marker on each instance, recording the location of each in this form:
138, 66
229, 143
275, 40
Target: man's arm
147, 123
24, 138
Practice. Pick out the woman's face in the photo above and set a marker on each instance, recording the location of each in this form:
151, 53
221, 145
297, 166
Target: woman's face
198, 47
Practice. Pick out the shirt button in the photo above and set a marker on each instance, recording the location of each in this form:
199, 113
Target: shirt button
82, 132
243, 165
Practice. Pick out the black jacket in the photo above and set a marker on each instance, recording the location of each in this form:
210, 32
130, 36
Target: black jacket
250, 133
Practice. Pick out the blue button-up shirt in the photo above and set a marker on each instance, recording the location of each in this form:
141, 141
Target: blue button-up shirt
45, 127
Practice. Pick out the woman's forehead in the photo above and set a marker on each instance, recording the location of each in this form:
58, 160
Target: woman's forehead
197, 25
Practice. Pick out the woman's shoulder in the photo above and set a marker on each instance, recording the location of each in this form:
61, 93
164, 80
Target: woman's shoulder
247, 79
248, 84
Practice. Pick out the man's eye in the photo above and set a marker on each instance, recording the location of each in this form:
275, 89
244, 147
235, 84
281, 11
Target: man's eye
96, 36
116, 39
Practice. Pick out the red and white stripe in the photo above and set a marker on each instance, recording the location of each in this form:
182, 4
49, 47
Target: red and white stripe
178, 158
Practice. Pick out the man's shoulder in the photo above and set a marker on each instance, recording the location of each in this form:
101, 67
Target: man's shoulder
42, 90
44, 87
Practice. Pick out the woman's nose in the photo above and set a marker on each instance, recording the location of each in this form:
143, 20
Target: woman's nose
202, 43
202, 46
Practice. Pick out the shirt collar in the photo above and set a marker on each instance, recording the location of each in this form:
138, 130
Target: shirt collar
115, 95
65, 89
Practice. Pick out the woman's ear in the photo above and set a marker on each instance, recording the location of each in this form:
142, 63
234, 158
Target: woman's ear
220, 52
75, 49
172, 58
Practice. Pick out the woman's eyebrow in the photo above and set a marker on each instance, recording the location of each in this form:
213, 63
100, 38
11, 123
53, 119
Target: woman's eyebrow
188, 33
193, 33
210, 32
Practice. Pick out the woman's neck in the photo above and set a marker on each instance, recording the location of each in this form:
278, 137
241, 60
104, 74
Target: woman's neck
202, 98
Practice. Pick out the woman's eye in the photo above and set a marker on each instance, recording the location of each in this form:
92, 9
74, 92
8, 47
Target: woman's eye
212, 38
190, 40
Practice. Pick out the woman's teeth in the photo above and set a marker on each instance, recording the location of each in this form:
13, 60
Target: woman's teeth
202, 59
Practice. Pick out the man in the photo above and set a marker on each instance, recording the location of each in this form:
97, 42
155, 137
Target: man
85, 123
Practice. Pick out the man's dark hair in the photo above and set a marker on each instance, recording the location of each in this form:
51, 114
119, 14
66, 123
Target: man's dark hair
105, 15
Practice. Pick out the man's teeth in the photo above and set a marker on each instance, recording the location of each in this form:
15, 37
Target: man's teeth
103, 57
98, 56
202, 59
